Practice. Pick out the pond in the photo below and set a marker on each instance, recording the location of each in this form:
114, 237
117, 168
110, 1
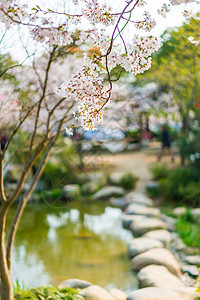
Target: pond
83, 241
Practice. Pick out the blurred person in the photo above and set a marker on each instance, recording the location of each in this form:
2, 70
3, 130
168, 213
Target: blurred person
165, 143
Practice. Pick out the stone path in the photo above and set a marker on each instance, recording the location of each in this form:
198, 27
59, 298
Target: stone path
153, 252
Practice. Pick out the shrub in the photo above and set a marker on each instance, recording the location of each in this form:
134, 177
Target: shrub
179, 184
159, 171
190, 194
128, 181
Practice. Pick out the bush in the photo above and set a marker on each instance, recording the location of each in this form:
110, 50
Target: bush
190, 194
128, 181
182, 185
51, 293
159, 171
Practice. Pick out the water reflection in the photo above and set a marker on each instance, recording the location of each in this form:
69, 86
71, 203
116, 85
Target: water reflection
84, 241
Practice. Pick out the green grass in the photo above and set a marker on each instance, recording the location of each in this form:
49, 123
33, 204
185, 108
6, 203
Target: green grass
46, 293
189, 230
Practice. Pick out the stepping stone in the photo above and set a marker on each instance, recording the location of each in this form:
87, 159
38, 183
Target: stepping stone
152, 185
196, 214
118, 202
158, 276
74, 283
168, 219
154, 293
138, 198
133, 206
128, 219
170, 222
141, 245
95, 292
193, 260
157, 256
190, 270
117, 294
139, 227
161, 235
70, 192
107, 192
179, 211
135, 209
115, 177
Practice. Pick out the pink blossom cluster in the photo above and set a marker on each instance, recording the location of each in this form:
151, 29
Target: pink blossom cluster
98, 14
52, 35
147, 24
16, 12
88, 89
138, 57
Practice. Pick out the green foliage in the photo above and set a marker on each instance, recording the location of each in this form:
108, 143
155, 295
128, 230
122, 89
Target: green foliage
6, 62
48, 293
52, 194
182, 185
189, 148
189, 230
133, 135
128, 181
190, 194
159, 171
175, 67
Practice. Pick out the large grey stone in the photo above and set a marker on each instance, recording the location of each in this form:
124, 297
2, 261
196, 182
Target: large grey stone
128, 219
161, 235
158, 276
154, 293
136, 209
95, 292
90, 187
139, 198
108, 192
179, 211
141, 245
196, 214
132, 207
139, 227
71, 192
156, 256
75, 283
190, 270
193, 260
115, 177
117, 294
170, 222
168, 219
152, 185
118, 202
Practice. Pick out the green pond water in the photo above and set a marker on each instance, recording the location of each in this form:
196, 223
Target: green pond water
83, 241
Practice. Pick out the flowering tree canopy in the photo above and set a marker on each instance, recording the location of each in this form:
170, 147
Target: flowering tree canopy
102, 42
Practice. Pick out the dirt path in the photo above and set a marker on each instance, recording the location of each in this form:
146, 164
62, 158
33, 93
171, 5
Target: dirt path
136, 162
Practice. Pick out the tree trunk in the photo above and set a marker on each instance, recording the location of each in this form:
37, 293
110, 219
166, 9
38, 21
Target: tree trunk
6, 282
7, 292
